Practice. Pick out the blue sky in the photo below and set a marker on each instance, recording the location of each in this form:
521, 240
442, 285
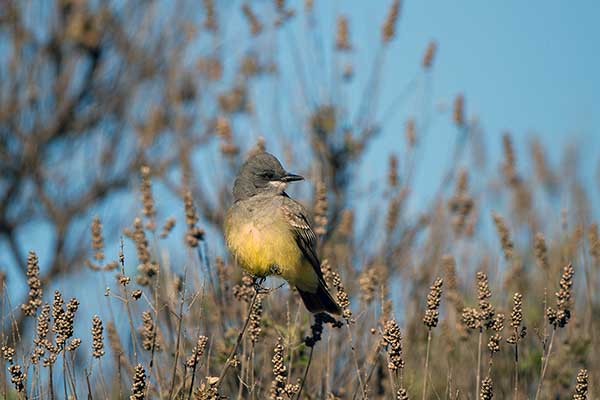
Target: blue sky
527, 67
522, 65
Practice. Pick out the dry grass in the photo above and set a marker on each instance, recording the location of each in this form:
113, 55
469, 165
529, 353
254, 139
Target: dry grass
164, 313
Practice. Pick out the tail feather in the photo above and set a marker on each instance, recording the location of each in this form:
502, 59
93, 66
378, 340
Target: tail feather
320, 301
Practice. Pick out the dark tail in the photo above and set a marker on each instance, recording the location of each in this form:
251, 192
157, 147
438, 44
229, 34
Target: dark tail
320, 301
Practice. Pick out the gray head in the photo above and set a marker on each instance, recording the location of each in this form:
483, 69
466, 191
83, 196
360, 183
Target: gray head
262, 174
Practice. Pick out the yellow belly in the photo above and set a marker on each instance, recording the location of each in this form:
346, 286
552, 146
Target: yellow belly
265, 250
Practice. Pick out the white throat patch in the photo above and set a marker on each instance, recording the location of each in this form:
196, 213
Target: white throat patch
280, 186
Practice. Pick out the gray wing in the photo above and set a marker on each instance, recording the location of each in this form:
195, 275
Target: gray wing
297, 217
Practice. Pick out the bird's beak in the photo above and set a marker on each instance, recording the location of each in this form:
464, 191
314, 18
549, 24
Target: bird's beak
291, 178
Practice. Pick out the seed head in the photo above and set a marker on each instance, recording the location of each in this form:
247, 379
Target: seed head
74, 344
320, 208
342, 297
541, 251
147, 268
470, 318
389, 26
35, 286
433, 304
486, 309
149, 333
97, 339
402, 394
255, 318
255, 25
461, 203
280, 389
429, 54
392, 339
138, 388
497, 326
504, 234
368, 284
487, 389
560, 316
516, 318
342, 40
508, 167
193, 234
167, 227
148, 208
8, 353
208, 390
458, 114
594, 242
245, 290
17, 377
393, 171
210, 18
581, 390
410, 132
114, 342
97, 240
197, 352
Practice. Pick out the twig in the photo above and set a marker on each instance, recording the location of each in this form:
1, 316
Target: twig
426, 367
89, 387
310, 356
479, 363
51, 383
179, 325
238, 341
371, 370
545, 365
355, 358
516, 396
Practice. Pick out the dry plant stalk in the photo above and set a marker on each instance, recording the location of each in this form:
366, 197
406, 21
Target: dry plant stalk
138, 387
429, 55
97, 339
431, 320
504, 235
388, 31
392, 342
581, 389
519, 331
342, 37
280, 388
35, 286
557, 317
66, 95
541, 251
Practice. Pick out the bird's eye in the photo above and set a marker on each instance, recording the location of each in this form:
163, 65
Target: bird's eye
268, 175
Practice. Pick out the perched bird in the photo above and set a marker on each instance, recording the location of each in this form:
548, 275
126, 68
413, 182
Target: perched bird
269, 233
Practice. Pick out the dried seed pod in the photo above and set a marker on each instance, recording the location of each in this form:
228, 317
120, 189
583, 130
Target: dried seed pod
35, 286
433, 304
560, 316
392, 339
97, 339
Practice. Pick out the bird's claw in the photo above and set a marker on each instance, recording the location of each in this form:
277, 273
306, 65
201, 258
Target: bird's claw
258, 285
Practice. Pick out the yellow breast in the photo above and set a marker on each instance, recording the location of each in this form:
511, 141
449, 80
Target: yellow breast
258, 247
263, 243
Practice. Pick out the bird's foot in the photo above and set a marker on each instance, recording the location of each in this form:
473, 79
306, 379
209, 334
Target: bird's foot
260, 289
258, 285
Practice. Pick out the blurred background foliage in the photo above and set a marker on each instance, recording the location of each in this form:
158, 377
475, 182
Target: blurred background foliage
147, 109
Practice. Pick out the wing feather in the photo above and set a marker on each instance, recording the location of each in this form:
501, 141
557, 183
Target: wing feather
297, 217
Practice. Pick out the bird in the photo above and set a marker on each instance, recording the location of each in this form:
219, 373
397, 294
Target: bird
271, 234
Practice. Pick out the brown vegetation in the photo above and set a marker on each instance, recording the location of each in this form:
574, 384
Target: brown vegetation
99, 104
